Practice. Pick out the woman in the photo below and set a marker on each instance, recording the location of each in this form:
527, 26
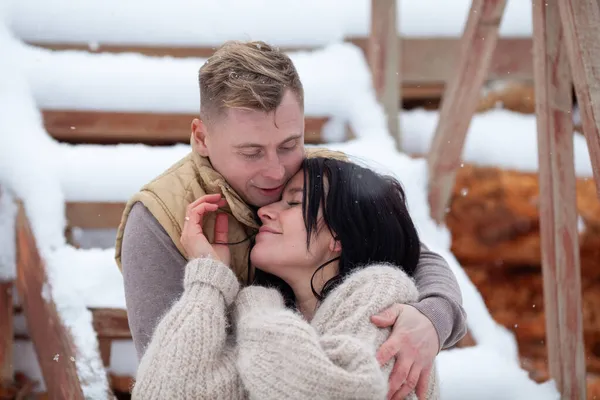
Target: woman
339, 247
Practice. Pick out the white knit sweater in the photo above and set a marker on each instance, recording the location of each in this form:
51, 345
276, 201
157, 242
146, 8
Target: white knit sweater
273, 352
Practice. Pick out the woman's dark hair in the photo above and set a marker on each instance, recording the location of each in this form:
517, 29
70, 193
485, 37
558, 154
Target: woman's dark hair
365, 211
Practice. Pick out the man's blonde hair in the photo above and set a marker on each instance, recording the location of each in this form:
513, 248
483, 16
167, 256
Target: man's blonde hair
250, 75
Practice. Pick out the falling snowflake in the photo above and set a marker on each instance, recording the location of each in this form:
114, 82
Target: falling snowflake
56, 357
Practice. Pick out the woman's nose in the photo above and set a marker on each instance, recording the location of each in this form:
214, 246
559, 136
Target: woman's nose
267, 213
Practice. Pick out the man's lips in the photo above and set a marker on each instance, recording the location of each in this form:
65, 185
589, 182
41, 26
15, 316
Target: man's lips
271, 190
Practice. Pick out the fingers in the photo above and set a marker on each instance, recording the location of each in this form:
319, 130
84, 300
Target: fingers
208, 198
195, 215
221, 228
202, 205
410, 384
396, 379
388, 350
387, 317
423, 383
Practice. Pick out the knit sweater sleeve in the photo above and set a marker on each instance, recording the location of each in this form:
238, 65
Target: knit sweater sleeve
281, 355
190, 355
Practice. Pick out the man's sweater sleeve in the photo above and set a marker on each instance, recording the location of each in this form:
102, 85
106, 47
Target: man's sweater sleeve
153, 271
440, 297
190, 355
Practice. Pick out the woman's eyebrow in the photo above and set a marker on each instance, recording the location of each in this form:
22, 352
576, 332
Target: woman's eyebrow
294, 190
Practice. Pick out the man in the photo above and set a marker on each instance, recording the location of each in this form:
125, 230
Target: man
248, 141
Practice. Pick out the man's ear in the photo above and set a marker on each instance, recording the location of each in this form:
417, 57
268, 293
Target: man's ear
199, 137
335, 246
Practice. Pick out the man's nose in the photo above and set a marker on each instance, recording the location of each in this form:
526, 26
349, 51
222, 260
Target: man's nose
274, 171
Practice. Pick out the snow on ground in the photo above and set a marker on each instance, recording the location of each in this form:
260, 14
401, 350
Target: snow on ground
209, 23
495, 138
8, 213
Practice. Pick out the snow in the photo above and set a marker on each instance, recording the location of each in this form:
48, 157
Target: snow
495, 138
123, 358
26, 165
8, 213
77, 80
496, 378
89, 276
209, 23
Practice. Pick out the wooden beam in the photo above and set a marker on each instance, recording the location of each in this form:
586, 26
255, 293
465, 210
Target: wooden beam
130, 127
111, 323
428, 62
94, 215
383, 54
558, 210
581, 23
49, 336
461, 99
7, 264
6, 333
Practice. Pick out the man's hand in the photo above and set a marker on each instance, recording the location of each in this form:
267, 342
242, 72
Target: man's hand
415, 344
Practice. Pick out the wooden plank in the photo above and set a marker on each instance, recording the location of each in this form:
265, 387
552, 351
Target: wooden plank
131, 127
383, 54
461, 99
105, 345
6, 333
7, 264
111, 323
581, 22
558, 211
428, 63
94, 215
46, 330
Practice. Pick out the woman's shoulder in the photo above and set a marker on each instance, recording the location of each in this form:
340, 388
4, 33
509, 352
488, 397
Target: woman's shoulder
376, 282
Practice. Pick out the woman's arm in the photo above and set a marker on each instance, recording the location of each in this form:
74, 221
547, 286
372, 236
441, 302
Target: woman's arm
188, 355
280, 355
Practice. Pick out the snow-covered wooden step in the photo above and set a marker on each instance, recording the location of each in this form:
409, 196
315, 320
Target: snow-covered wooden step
60, 325
336, 80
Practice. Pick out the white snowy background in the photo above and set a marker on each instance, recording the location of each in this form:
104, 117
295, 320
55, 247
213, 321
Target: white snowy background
45, 174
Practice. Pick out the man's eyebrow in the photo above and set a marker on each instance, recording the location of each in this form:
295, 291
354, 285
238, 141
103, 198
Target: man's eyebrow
248, 145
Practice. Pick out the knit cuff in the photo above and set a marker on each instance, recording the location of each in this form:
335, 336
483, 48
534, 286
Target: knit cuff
253, 297
214, 273
439, 312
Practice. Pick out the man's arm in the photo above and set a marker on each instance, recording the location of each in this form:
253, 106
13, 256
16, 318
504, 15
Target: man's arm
153, 271
440, 298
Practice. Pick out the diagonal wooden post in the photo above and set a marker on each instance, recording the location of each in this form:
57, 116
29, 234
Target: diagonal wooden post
558, 209
384, 59
461, 99
581, 23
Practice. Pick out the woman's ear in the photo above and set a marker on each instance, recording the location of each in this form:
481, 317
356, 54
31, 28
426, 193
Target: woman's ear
335, 246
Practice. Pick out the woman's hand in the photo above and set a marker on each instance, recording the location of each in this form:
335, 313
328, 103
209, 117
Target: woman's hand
193, 239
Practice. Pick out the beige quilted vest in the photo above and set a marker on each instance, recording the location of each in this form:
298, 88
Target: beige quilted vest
168, 195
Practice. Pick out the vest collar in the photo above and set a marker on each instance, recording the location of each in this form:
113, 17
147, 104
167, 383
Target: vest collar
215, 183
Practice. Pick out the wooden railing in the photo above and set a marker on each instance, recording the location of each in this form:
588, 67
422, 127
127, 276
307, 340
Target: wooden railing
565, 48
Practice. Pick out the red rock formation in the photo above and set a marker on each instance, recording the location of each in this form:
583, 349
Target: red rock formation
495, 234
